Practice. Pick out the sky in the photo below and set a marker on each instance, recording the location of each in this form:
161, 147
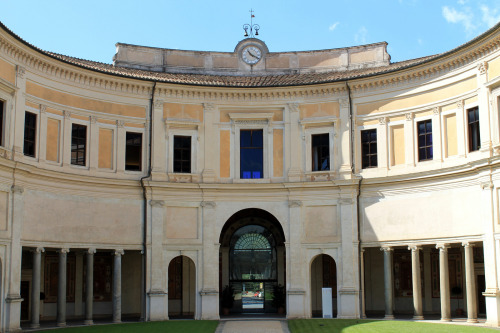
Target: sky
90, 29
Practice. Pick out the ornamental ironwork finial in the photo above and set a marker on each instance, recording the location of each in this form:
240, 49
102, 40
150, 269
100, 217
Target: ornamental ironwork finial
249, 28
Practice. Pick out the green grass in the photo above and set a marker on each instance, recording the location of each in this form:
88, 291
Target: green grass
171, 326
373, 326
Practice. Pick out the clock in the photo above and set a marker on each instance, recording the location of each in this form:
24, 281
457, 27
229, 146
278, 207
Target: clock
251, 55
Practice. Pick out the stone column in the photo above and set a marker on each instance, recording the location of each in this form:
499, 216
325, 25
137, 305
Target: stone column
93, 162
382, 138
209, 293
121, 136
35, 288
117, 286
344, 140
409, 129
388, 282
470, 283
42, 134
462, 145
444, 282
20, 112
293, 143
13, 273
295, 269
158, 158
436, 135
416, 282
363, 302
89, 281
61, 288
484, 107
210, 140
66, 138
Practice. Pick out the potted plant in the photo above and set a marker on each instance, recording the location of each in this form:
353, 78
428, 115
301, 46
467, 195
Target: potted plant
457, 291
279, 298
227, 299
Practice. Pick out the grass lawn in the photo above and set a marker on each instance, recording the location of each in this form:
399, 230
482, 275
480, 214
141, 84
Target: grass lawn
171, 326
372, 326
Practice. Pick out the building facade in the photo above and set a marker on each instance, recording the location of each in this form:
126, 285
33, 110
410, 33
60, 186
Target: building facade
146, 188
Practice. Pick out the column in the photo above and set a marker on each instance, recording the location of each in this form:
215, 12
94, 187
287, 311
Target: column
89, 296
13, 273
461, 128
42, 134
293, 142
61, 288
344, 139
94, 145
388, 282
409, 142
444, 282
470, 283
158, 158
35, 288
363, 302
210, 258
295, 269
416, 282
120, 147
117, 286
436, 135
211, 142
484, 107
20, 105
66, 138
382, 138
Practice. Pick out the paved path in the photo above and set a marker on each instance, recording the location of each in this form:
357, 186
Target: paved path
250, 326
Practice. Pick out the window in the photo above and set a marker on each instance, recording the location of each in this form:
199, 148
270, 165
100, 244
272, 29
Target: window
473, 122
251, 154
133, 151
182, 154
29, 134
424, 129
78, 144
320, 152
369, 149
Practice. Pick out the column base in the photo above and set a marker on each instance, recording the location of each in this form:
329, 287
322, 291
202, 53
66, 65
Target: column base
390, 317
117, 321
472, 321
418, 317
62, 324
35, 326
88, 322
209, 304
446, 319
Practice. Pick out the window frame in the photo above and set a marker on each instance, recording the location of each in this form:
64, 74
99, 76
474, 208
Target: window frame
370, 142
314, 127
251, 147
141, 155
6, 95
417, 135
174, 129
87, 138
35, 134
469, 137
313, 135
183, 149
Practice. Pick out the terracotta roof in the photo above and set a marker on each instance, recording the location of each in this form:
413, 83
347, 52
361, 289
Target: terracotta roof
250, 81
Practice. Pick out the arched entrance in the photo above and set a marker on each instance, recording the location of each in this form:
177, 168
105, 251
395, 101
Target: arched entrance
252, 262
181, 288
323, 275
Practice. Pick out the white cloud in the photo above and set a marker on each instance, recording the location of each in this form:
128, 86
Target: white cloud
490, 16
333, 26
360, 36
420, 41
466, 18
462, 2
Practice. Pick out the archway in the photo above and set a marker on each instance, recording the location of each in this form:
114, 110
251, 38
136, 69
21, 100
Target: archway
252, 262
181, 288
323, 275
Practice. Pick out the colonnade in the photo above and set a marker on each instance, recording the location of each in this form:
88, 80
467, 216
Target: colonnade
61, 286
444, 282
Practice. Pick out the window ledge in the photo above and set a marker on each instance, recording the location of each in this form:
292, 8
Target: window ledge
252, 181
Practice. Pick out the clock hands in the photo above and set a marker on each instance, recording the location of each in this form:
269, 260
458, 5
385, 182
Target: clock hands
253, 55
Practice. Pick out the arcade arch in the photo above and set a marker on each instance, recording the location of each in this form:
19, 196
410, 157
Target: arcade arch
181, 288
323, 275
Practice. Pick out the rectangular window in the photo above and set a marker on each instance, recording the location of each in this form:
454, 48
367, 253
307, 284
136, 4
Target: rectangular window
320, 152
182, 154
78, 144
133, 151
369, 149
29, 134
473, 121
251, 154
424, 130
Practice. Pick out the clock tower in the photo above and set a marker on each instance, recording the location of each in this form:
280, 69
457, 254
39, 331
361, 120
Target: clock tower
251, 54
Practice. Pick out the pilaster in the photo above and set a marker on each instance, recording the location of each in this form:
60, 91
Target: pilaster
210, 289
94, 145
293, 142
409, 130
66, 138
345, 171
461, 128
211, 141
42, 134
382, 143
20, 105
120, 147
159, 150
295, 269
484, 107
436, 135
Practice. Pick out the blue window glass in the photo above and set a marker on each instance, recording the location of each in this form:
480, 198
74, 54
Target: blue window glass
251, 154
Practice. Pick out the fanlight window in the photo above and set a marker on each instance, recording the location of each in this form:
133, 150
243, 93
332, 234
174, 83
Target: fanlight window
252, 242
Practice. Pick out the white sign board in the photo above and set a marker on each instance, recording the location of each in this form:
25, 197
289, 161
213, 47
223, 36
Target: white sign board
327, 302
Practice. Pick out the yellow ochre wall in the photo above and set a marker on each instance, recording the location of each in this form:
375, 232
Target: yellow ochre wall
398, 145
7, 72
319, 110
183, 111
105, 148
225, 154
52, 152
278, 153
451, 135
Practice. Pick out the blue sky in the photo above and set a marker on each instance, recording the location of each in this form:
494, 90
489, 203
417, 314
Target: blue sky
89, 29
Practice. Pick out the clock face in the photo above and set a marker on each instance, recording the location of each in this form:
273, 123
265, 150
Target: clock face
251, 55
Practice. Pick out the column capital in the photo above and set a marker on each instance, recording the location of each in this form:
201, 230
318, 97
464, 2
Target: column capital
414, 247
387, 248
208, 107
157, 203
38, 250
91, 250
443, 246
67, 114
158, 103
409, 116
63, 250
468, 244
294, 203
17, 189
43, 108
119, 252
208, 204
